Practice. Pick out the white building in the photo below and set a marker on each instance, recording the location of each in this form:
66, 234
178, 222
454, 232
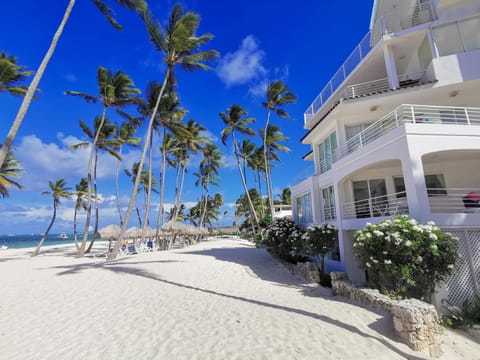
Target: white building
397, 131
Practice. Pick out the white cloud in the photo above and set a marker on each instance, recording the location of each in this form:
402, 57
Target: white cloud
45, 162
243, 65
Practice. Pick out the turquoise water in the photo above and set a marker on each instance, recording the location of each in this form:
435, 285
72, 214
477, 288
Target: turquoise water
32, 240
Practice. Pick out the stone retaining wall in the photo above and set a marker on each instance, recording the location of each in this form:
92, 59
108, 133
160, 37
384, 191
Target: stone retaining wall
306, 270
416, 322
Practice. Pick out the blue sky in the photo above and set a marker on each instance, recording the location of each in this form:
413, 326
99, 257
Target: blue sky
301, 43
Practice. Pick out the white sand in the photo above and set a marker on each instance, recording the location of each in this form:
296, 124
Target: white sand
217, 300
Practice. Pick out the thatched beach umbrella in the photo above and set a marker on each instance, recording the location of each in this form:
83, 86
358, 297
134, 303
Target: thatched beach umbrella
174, 227
109, 232
133, 232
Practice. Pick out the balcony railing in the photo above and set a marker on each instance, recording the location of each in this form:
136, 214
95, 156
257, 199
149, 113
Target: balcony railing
419, 14
416, 114
329, 213
387, 205
454, 200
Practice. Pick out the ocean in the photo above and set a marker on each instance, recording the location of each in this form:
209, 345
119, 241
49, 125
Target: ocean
32, 240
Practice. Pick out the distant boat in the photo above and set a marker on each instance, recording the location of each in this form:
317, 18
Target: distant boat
4, 247
62, 236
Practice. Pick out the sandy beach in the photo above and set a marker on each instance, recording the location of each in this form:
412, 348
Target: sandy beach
221, 299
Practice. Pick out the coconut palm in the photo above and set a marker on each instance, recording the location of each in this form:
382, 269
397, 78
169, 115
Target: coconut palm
132, 174
235, 122
11, 75
179, 45
256, 162
278, 95
9, 171
81, 191
246, 153
115, 90
139, 6
58, 190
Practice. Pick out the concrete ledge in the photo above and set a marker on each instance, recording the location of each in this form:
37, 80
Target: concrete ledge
415, 322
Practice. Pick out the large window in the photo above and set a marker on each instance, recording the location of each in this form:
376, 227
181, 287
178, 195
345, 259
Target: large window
435, 185
327, 151
304, 209
370, 198
458, 37
328, 195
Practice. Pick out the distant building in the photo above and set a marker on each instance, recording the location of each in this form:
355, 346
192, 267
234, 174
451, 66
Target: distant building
397, 131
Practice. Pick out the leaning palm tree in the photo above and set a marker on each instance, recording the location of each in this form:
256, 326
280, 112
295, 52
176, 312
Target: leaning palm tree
232, 118
278, 95
11, 75
58, 190
9, 171
256, 162
115, 90
139, 6
80, 203
179, 45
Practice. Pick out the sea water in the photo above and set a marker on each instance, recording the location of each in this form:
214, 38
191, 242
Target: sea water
32, 240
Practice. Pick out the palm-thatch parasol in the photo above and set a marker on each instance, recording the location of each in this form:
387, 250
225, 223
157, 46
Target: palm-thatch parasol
109, 232
133, 232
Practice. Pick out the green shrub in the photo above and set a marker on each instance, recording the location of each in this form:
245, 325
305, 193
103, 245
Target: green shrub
405, 258
465, 316
284, 238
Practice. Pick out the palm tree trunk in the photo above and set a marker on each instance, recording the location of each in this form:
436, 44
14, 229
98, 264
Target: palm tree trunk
162, 187
37, 250
117, 191
33, 86
149, 193
177, 191
267, 168
242, 176
260, 190
75, 228
95, 191
205, 203
182, 181
81, 251
121, 236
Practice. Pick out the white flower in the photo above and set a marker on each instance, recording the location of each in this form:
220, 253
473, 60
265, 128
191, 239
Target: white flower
412, 222
375, 261
419, 259
367, 264
408, 243
431, 223
378, 233
417, 228
368, 224
433, 236
450, 266
385, 253
388, 262
434, 247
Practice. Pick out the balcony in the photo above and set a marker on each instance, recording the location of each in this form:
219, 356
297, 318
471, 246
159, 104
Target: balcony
329, 96
409, 114
454, 200
387, 205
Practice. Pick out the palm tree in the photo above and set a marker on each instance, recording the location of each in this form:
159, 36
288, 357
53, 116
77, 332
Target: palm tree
115, 90
132, 174
247, 151
256, 162
58, 190
8, 171
211, 162
139, 6
234, 123
11, 74
286, 196
81, 191
179, 45
278, 95
272, 139
124, 137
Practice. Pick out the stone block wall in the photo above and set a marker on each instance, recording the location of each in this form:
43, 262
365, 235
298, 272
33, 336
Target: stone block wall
415, 322
306, 270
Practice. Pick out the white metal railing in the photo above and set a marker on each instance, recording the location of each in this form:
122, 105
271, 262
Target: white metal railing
305, 174
419, 14
375, 86
329, 213
415, 114
454, 200
326, 163
387, 205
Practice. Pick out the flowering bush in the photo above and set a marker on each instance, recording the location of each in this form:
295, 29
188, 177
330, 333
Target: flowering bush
284, 237
405, 258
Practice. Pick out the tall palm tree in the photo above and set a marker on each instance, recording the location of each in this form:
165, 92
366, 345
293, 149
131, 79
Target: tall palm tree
139, 6
115, 90
101, 139
272, 138
278, 95
58, 190
81, 191
11, 75
209, 166
232, 118
132, 174
124, 137
9, 171
246, 153
179, 45
256, 162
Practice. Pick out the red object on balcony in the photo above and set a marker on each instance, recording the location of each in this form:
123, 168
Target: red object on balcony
474, 196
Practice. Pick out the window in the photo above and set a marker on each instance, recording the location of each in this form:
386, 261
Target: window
327, 151
435, 185
458, 37
370, 198
328, 195
304, 209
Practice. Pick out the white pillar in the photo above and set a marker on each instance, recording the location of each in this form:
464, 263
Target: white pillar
415, 186
391, 67
433, 44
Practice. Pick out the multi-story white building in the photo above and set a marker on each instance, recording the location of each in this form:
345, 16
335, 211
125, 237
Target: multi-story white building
397, 131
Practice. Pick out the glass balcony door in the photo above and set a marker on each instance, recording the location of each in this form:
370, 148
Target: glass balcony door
369, 196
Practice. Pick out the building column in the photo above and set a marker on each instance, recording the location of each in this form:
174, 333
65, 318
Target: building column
415, 186
433, 44
391, 67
